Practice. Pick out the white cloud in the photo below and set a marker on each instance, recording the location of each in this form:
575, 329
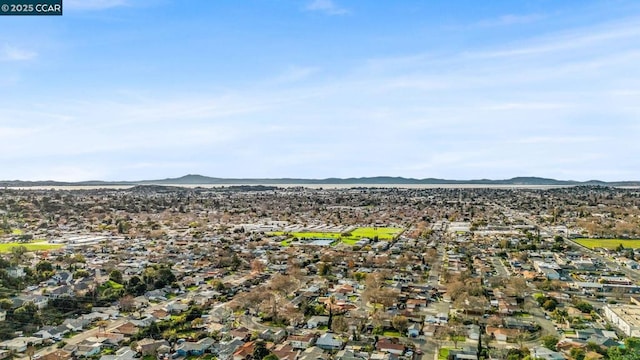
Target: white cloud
586, 38
12, 53
326, 6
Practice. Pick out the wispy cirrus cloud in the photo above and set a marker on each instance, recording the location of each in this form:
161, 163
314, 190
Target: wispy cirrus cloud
511, 19
12, 53
296, 73
326, 6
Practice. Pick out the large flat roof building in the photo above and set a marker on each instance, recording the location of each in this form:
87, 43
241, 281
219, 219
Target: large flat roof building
624, 317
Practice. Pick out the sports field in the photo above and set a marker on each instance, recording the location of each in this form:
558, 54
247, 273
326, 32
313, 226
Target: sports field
609, 243
383, 233
32, 246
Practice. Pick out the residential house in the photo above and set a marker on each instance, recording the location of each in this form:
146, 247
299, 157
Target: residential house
414, 330
160, 314
502, 334
329, 341
76, 324
124, 353
348, 354
285, 352
195, 348
18, 345
95, 316
176, 307
388, 346
39, 301
241, 333
301, 341
429, 330
149, 346
128, 329
273, 335
463, 354
88, 348
316, 321
313, 353
473, 332
60, 291
16, 272
540, 352
226, 349
63, 277
244, 351
59, 355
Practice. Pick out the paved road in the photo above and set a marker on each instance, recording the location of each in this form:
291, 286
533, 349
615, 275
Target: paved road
501, 270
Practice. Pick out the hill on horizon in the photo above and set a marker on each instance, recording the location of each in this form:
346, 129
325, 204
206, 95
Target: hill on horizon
196, 179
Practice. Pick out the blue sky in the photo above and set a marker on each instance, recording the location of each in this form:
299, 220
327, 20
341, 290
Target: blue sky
143, 89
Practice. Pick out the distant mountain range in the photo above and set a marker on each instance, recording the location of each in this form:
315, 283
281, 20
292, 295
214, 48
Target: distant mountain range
377, 180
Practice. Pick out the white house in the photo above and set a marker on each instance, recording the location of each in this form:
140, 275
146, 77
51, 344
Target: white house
16, 272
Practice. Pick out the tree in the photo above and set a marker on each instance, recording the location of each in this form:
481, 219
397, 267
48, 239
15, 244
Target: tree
324, 268
455, 334
400, 323
257, 266
31, 350
81, 273
631, 350
26, 314
18, 254
260, 350
517, 285
550, 304
135, 286
584, 306
330, 306
116, 276
127, 303
279, 286
6, 304
43, 266
549, 341
102, 325
578, 353
340, 325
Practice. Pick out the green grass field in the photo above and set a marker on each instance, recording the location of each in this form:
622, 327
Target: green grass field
609, 243
443, 354
383, 233
110, 284
33, 246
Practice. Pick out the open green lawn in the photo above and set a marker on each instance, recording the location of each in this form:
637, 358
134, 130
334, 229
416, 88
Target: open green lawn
383, 233
609, 243
443, 354
33, 246
390, 333
111, 284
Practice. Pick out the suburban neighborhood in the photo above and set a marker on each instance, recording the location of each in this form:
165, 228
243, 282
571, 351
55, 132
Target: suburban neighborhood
255, 272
